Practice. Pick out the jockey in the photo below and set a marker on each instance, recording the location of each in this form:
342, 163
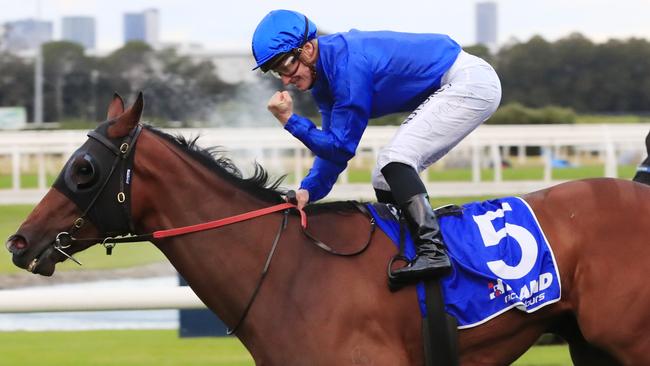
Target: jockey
357, 75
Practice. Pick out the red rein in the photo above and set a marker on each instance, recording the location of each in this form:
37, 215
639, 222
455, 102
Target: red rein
230, 220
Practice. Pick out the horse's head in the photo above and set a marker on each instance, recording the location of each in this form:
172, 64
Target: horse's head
96, 179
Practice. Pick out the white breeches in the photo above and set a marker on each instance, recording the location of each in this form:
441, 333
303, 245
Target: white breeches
470, 92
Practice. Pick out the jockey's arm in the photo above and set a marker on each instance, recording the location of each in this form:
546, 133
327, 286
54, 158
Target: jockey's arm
337, 142
321, 178
345, 110
334, 145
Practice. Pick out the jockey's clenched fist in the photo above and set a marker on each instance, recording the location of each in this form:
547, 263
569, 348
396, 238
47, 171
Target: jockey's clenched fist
302, 197
281, 105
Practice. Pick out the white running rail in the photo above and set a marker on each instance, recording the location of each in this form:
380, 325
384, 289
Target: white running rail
98, 299
281, 153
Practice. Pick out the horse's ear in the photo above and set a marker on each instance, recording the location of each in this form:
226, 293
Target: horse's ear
116, 107
128, 119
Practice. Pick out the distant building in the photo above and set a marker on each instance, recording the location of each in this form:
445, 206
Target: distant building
133, 27
486, 25
27, 34
80, 30
142, 26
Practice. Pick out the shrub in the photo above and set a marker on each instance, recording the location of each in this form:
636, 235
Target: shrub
515, 113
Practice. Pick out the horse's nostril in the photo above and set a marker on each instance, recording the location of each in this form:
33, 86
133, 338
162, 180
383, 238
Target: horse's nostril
16, 244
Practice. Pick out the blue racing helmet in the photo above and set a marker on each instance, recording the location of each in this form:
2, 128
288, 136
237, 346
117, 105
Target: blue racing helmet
280, 32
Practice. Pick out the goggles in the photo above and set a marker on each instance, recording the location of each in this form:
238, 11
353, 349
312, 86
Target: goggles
287, 67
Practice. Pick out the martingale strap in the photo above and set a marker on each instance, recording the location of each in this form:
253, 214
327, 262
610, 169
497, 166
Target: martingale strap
317, 242
265, 270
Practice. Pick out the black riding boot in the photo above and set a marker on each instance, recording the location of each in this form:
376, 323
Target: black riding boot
431, 259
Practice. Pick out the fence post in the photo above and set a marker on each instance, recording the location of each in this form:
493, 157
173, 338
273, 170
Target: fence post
42, 176
611, 170
496, 161
476, 162
548, 163
15, 170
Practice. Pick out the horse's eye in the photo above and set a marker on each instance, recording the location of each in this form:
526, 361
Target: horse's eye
83, 172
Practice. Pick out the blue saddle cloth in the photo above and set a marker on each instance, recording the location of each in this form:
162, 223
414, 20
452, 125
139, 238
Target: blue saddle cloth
500, 258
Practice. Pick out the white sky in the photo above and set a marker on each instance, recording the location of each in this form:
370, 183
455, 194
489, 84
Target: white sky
230, 24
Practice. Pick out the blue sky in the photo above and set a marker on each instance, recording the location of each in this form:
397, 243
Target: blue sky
230, 24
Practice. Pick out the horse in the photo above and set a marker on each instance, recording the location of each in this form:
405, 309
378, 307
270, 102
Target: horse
313, 308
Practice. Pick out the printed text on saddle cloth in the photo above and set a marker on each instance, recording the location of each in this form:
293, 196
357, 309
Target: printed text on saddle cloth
510, 263
531, 292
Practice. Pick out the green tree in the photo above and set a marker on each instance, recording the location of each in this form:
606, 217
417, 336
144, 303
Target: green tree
65, 76
574, 72
128, 69
16, 82
177, 87
524, 72
183, 88
572, 82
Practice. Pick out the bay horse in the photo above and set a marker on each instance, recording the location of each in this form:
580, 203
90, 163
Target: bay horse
317, 309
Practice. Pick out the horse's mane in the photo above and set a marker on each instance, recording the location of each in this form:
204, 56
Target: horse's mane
260, 184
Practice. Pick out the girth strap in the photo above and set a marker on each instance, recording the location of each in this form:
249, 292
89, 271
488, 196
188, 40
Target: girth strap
439, 330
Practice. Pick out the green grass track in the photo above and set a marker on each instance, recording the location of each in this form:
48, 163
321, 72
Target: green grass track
161, 348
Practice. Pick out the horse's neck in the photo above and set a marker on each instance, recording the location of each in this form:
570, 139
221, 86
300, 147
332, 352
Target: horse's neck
218, 263
172, 189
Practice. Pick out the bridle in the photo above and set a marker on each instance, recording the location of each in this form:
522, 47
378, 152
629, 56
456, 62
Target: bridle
124, 232
112, 194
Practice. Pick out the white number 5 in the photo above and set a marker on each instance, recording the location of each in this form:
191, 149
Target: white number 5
492, 237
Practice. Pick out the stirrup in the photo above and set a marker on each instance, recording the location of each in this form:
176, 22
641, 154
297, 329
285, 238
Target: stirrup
394, 282
431, 269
